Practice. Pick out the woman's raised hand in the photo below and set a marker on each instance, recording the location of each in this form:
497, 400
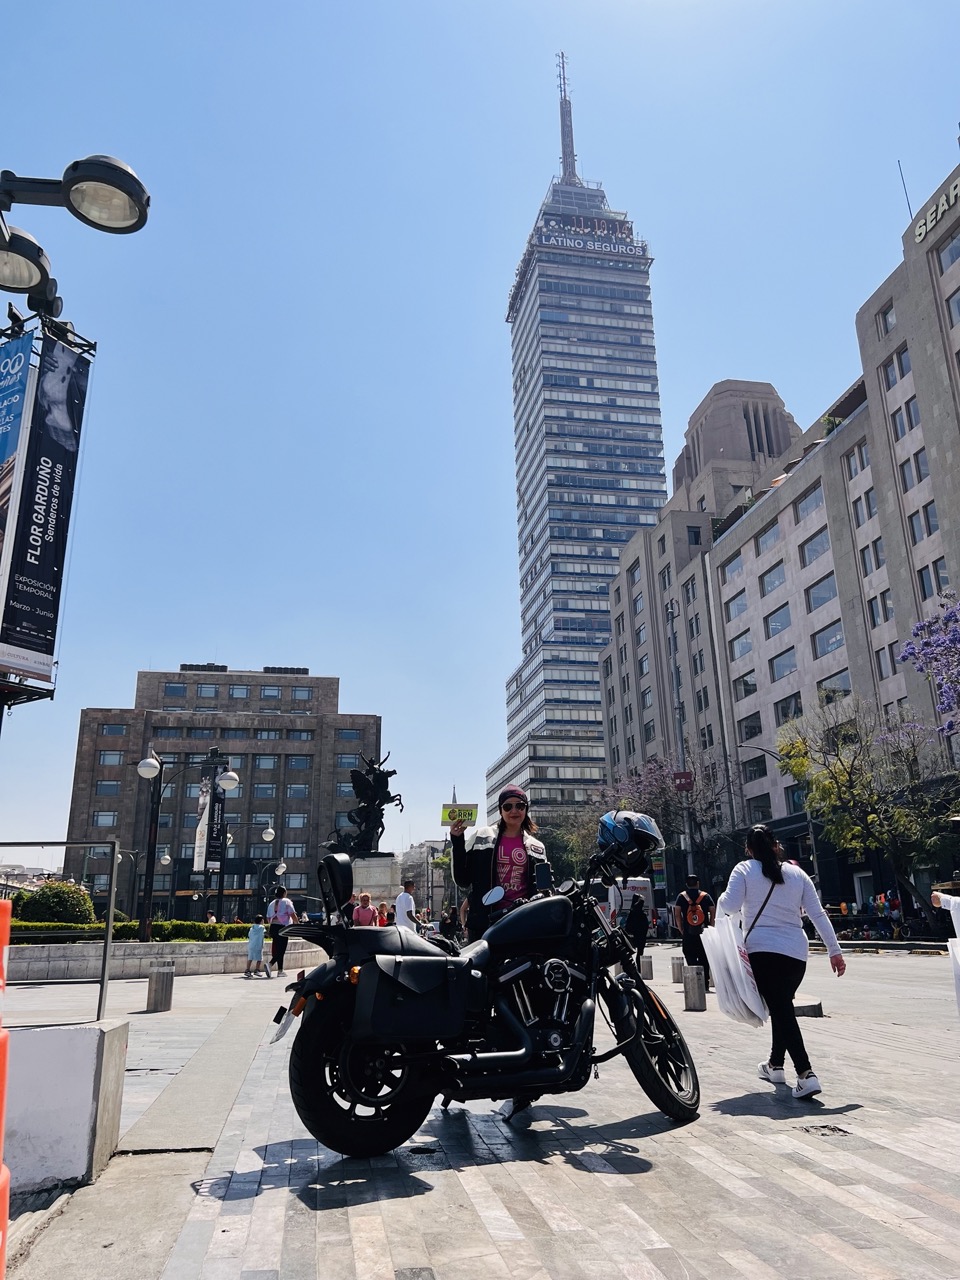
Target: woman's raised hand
457, 828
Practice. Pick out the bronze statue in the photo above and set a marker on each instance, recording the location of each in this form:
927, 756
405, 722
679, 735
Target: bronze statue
371, 786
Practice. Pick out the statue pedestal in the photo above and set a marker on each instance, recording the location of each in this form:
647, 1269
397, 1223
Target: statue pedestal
379, 875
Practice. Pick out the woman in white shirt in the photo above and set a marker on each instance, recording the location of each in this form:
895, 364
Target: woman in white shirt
771, 895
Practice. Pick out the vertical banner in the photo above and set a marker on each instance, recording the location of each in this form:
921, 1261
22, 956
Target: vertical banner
14, 372
203, 825
210, 807
30, 603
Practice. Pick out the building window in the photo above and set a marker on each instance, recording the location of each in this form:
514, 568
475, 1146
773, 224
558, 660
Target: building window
693, 535
830, 688
783, 664
265, 762
815, 547
953, 307
239, 691
703, 700
775, 577
300, 693
643, 666
758, 809
638, 603
929, 518
754, 768
165, 820
294, 851
706, 737
795, 797
607, 667
295, 820
640, 635
745, 686
693, 626
808, 502
264, 791
105, 817
940, 573
777, 622
174, 690
116, 757
866, 562
191, 791
749, 727
920, 465
899, 424
886, 605
306, 735
348, 762
235, 734
873, 609
298, 791
646, 698
821, 592
197, 757
903, 360
698, 664
887, 319
113, 730
299, 762
619, 625
768, 538
740, 645
828, 639
732, 568
190, 821
208, 690
950, 252
105, 788
267, 735
649, 730
168, 757
348, 735
269, 691
295, 880
912, 410
187, 851
633, 573
884, 669
690, 591
915, 521
736, 605
888, 372
666, 577
789, 708
661, 545
200, 733
879, 558
851, 464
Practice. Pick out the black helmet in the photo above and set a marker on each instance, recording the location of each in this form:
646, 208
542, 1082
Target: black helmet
626, 839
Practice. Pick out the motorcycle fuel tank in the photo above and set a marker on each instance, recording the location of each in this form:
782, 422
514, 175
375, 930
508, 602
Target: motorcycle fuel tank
551, 919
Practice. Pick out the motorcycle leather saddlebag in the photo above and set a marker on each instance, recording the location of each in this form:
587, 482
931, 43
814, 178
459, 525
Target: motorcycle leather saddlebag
414, 997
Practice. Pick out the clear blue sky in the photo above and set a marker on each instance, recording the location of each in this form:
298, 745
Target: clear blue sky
299, 440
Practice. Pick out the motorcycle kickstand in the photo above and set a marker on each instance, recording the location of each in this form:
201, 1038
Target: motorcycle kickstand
523, 1102
445, 1103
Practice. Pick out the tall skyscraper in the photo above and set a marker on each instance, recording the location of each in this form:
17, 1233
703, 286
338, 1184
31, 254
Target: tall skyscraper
589, 455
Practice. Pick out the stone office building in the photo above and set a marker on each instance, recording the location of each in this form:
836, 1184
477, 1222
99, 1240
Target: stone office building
286, 739
822, 553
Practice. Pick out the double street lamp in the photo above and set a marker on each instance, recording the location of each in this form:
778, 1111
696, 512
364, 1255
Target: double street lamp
101, 191
215, 768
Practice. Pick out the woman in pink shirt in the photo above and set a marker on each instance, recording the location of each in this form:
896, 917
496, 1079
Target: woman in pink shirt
365, 913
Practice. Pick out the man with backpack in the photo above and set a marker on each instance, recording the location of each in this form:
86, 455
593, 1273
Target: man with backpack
693, 911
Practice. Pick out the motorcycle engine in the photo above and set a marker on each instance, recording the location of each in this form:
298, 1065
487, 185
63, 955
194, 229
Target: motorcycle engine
547, 995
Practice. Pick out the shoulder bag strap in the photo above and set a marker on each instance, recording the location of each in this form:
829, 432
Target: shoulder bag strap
759, 913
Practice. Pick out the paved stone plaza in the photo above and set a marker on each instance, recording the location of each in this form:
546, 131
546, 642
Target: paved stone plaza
222, 1183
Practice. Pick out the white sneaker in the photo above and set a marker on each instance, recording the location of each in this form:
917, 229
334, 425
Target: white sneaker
807, 1087
776, 1075
247, 974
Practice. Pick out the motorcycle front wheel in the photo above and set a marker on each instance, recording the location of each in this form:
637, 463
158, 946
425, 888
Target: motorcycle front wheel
660, 1060
360, 1100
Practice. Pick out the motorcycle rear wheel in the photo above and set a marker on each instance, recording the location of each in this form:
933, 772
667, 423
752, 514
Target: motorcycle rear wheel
359, 1100
660, 1060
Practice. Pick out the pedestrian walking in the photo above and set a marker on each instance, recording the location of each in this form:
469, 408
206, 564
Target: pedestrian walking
255, 948
636, 924
364, 913
211, 918
280, 913
771, 894
406, 908
693, 911
505, 855
950, 902
382, 914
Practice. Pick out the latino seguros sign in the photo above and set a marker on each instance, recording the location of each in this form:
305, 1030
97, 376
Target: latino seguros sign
38, 514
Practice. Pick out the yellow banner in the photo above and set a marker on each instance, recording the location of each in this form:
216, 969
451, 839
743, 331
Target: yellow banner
467, 813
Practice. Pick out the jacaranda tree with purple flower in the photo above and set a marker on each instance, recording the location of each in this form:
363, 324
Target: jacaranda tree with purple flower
935, 652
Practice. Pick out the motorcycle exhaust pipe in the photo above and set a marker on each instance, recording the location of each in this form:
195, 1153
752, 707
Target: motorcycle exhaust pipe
505, 1086
499, 1057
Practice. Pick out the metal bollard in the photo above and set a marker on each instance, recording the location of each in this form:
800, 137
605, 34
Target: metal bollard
694, 989
676, 968
160, 986
646, 967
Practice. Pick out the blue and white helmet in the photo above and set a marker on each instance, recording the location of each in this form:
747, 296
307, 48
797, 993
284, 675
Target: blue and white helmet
626, 839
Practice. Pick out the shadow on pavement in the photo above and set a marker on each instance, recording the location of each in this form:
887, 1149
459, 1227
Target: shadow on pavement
780, 1107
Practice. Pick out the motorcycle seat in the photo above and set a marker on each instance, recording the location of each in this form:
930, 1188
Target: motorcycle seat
390, 940
478, 953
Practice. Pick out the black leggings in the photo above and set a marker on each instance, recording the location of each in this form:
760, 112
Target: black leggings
778, 979
278, 945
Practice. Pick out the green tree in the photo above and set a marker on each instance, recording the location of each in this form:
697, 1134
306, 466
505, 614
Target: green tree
58, 902
570, 838
876, 788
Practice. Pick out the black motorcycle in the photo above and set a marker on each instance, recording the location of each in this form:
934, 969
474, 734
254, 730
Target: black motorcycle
390, 1021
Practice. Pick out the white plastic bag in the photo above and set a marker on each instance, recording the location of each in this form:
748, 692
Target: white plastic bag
732, 973
954, 947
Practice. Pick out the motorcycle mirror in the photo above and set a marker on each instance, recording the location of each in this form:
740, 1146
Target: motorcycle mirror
567, 886
493, 896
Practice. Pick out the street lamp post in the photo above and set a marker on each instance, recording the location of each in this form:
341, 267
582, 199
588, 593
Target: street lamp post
267, 834
279, 868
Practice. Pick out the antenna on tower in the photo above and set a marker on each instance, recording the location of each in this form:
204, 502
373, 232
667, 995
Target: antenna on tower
568, 157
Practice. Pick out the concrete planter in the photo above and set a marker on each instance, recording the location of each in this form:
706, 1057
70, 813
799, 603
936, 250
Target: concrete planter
64, 1091
67, 960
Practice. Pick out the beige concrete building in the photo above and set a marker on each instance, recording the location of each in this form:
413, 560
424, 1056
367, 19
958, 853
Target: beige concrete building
790, 568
